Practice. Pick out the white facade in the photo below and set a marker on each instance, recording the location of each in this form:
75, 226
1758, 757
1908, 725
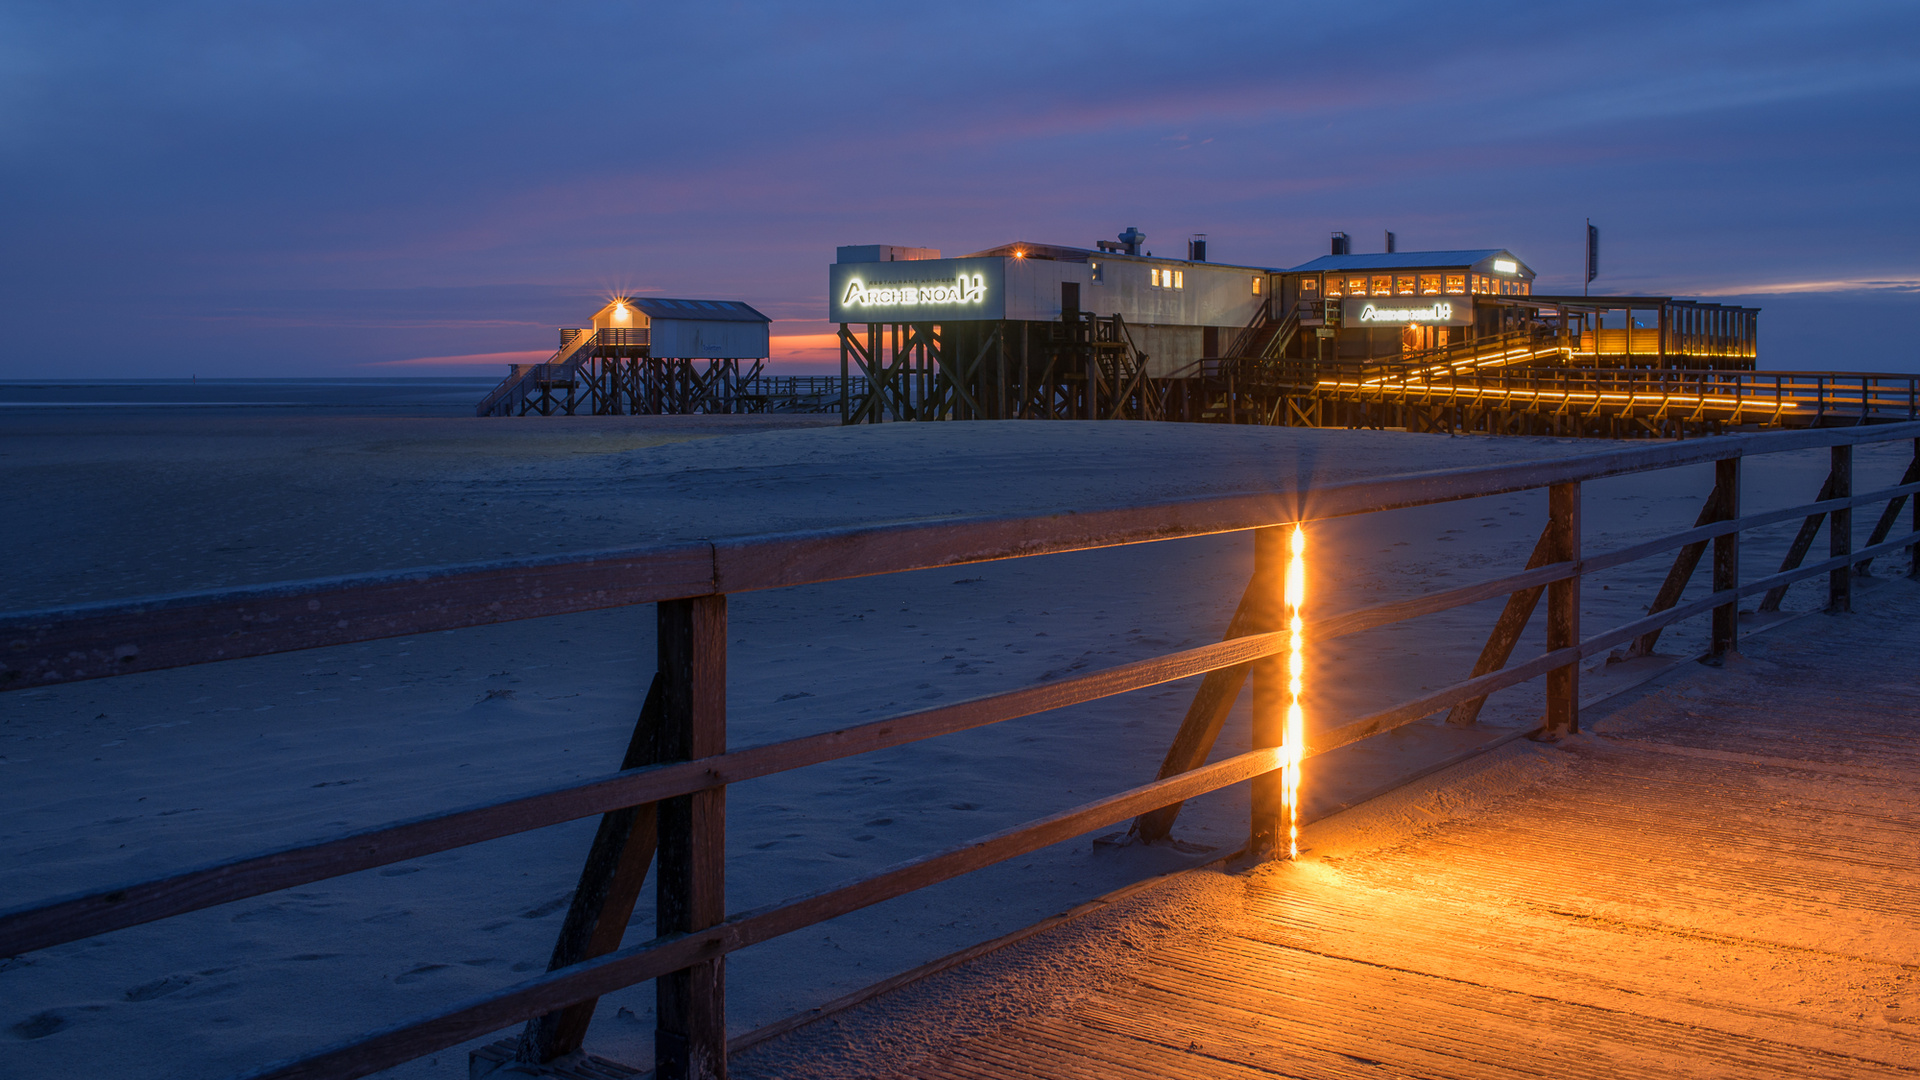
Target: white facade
690, 329
1169, 304
696, 339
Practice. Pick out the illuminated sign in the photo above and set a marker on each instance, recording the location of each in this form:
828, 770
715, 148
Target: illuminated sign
966, 289
939, 290
1407, 311
1505, 266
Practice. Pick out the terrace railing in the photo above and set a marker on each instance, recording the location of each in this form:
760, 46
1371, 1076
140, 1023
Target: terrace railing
669, 797
1774, 398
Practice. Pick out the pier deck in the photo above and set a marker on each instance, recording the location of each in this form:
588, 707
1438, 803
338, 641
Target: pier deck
1716, 879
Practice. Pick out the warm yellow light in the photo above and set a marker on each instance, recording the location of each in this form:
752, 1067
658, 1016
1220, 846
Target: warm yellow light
1018, 254
1293, 742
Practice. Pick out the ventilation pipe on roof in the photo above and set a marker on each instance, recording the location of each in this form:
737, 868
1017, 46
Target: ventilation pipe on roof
1341, 245
1390, 239
1132, 239
1197, 248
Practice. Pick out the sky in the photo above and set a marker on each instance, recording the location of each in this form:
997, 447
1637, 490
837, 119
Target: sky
377, 189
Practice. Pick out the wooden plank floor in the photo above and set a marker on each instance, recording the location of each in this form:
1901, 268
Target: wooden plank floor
1718, 879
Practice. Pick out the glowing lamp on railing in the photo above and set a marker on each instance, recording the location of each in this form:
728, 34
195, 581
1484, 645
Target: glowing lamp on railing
1293, 742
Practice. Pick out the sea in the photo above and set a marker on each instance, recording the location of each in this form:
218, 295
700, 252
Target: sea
427, 396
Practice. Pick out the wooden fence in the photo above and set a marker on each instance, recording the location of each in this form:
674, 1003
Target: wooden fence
667, 803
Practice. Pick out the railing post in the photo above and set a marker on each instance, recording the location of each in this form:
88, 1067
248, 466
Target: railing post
1563, 609
1726, 562
1913, 552
690, 1036
1840, 533
1265, 614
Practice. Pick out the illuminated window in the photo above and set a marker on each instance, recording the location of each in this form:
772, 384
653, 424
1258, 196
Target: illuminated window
1154, 272
1430, 284
1526, 288
1383, 285
1404, 285
1179, 279
1456, 284
1333, 287
1356, 286
1093, 270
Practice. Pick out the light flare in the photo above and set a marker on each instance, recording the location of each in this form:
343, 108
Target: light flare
1293, 742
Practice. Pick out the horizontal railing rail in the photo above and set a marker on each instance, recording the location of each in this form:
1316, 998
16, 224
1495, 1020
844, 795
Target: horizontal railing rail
1730, 396
63, 645
89, 641
132, 903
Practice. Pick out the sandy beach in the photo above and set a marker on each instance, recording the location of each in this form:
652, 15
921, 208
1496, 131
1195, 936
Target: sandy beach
110, 780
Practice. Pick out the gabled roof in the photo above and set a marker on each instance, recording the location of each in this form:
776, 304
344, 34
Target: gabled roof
660, 307
1403, 260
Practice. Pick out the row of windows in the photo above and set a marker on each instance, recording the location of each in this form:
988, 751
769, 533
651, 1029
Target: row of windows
1165, 278
1413, 285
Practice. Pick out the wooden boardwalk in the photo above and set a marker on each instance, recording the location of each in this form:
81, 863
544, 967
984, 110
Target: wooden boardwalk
1717, 879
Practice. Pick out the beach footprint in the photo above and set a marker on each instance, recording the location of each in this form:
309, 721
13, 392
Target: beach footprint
40, 1025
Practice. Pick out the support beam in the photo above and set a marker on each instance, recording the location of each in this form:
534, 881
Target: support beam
1726, 562
1890, 515
690, 1036
1205, 716
603, 900
1563, 609
1840, 533
1506, 631
1797, 551
1685, 563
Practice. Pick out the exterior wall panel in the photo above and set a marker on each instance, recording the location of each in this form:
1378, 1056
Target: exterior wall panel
694, 338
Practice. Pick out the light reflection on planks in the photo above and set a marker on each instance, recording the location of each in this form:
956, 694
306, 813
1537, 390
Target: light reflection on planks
1715, 885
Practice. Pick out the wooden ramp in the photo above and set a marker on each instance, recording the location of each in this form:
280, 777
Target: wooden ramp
1717, 879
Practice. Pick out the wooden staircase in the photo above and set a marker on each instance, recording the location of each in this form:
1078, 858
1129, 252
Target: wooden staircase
528, 387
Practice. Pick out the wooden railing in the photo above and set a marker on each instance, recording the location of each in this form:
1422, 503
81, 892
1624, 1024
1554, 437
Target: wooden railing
560, 364
801, 393
623, 335
671, 790
1789, 398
